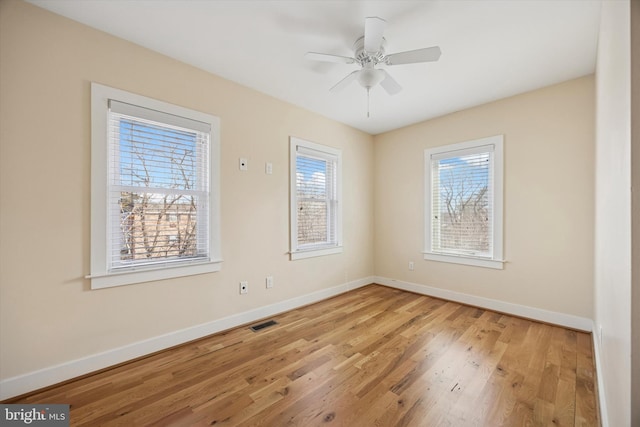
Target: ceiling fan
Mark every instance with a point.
(369, 51)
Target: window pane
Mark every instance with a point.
(159, 193)
(155, 226)
(461, 205)
(151, 155)
(312, 221)
(312, 205)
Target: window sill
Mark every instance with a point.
(310, 253)
(108, 280)
(465, 260)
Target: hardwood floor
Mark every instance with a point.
(375, 356)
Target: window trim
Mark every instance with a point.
(320, 249)
(100, 275)
(496, 261)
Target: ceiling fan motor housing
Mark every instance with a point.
(363, 57)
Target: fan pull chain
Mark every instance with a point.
(368, 103)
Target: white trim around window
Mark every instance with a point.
(197, 134)
(316, 199)
(480, 163)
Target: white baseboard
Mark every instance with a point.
(22, 384)
(560, 319)
(602, 401)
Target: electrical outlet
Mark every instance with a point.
(244, 287)
(268, 168)
(410, 265)
(269, 282)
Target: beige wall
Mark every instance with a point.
(48, 314)
(548, 199)
(613, 286)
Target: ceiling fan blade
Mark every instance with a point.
(325, 57)
(373, 31)
(427, 54)
(389, 84)
(345, 82)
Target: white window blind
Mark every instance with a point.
(463, 215)
(316, 210)
(158, 189)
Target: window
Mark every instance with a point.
(316, 203)
(463, 203)
(154, 190)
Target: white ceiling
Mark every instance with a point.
(491, 49)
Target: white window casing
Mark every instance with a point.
(154, 189)
(316, 199)
(464, 203)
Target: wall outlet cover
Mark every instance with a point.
(244, 287)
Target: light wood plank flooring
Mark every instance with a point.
(374, 357)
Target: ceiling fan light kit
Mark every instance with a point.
(370, 77)
(369, 51)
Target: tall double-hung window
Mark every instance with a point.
(154, 189)
(316, 204)
(463, 203)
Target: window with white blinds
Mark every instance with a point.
(315, 199)
(463, 203)
(157, 216)
(159, 187)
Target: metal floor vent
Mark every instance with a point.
(256, 328)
